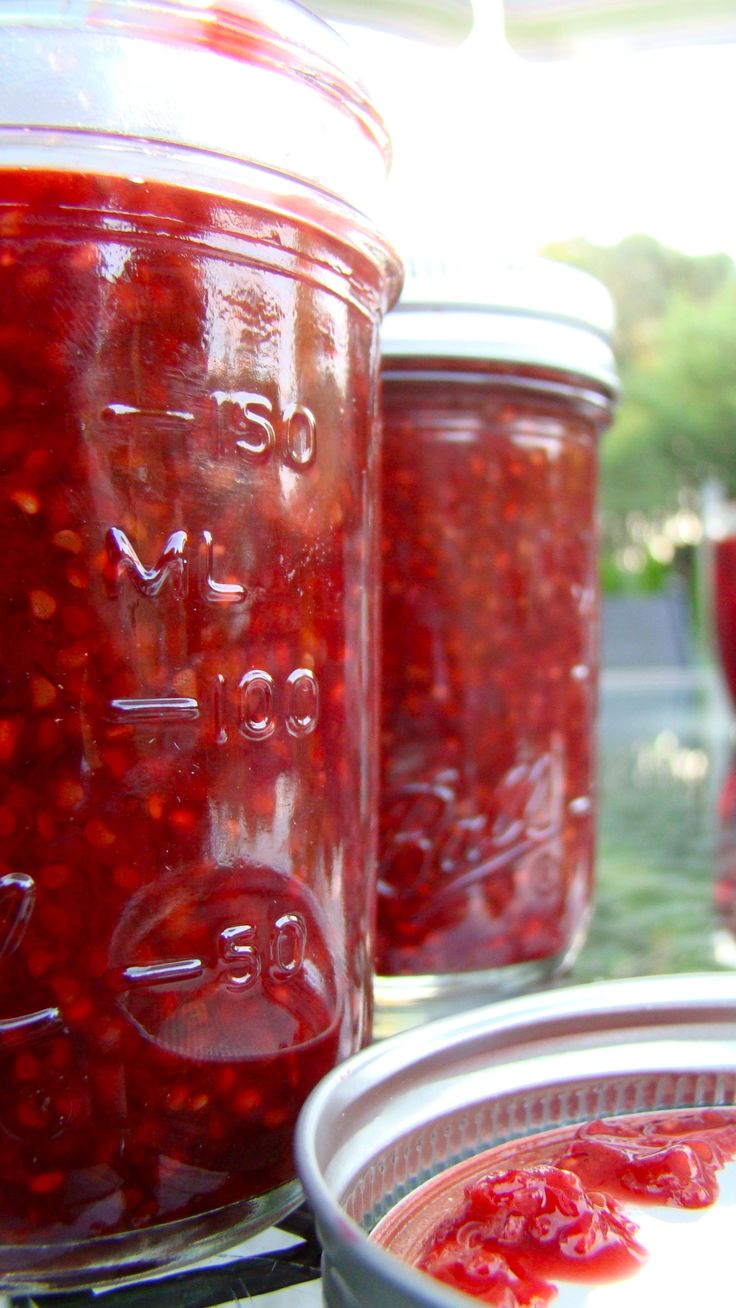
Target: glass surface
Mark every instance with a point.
(664, 752)
(188, 699)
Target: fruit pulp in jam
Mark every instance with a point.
(532, 1222)
(185, 595)
(490, 660)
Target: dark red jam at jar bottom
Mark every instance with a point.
(509, 1226)
(490, 664)
(182, 701)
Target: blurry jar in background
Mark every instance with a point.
(719, 554)
(718, 572)
(724, 881)
(724, 565)
(189, 308)
(497, 385)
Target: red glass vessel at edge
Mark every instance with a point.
(186, 705)
(724, 574)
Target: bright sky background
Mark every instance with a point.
(490, 147)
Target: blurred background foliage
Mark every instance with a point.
(674, 433)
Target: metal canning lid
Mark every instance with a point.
(256, 97)
(403, 1110)
(536, 312)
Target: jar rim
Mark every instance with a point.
(240, 29)
(279, 91)
(537, 312)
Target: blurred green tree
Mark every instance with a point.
(676, 347)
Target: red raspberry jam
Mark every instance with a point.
(490, 664)
(186, 724)
(523, 1219)
(668, 1160)
(520, 1226)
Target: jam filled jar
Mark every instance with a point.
(189, 309)
(497, 384)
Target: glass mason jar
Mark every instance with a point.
(495, 395)
(189, 308)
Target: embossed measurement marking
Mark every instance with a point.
(16, 1031)
(244, 421)
(17, 899)
(240, 961)
(173, 567)
(166, 710)
(131, 411)
(244, 418)
(153, 974)
(259, 707)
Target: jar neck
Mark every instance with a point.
(425, 377)
(108, 87)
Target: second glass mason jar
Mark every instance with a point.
(189, 309)
(496, 388)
